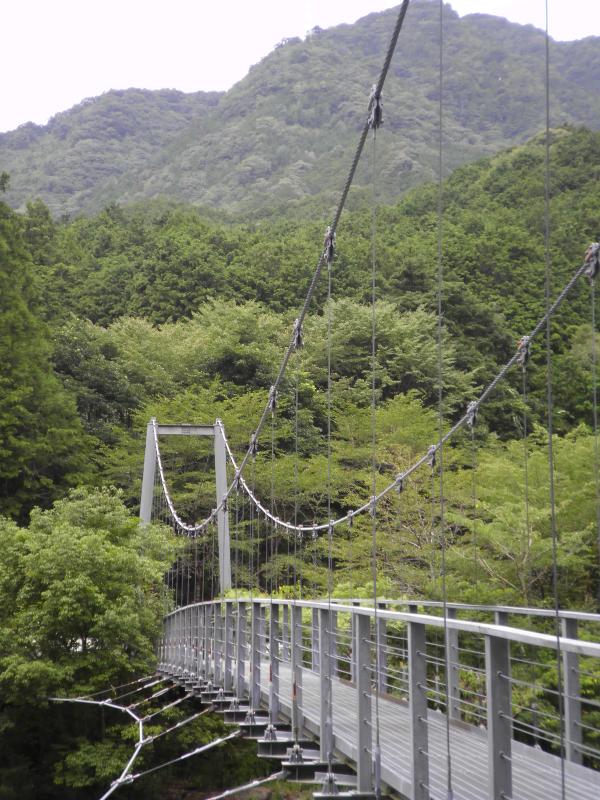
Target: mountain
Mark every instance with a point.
(286, 132)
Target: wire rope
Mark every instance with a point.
(550, 406)
(440, 378)
(595, 421)
(377, 744)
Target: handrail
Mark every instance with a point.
(521, 635)
(581, 616)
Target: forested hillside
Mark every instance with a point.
(161, 309)
(280, 137)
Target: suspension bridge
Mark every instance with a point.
(425, 700)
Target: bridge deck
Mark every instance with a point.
(536, 774)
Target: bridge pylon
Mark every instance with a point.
(147, 495)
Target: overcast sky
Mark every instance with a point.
(54, 53)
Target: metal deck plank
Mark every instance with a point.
(536, 775)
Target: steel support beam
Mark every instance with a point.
(240, 651)
(255, 655)
(274, 650)
(571, 695)
(296, 656)
(417, 698)
(227, 670)
(364, 734)
(326, 711)
(499, 727)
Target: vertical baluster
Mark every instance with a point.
(207, 640)
(227, 671)
(453, 684)
(296, 656)
(315, 639)
(380, 638)
(240, 651)
(572, 689)
(274, 666)
(325, 724)
(417, 698)
(364, 740)
(255, 655)
(499, 727)
(216, 646)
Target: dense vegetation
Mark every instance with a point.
(282, 135)
(159, 309)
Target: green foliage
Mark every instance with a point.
(82, 603)
(42, 447)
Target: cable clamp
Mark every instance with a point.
(315, 533)
(523, 352)
(329, 245)
(351, 519)
(297, 334)
(272, 399)
(592, 261)
(472, 413)
(253, 448)
(375, 108)
(235, 484)
(431, 455)
(373, 505)
(400, 483)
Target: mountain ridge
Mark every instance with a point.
(282, 134)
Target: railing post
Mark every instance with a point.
(148, 476)
(353, 648)
(240, 650)
(571, 694)
(315, 640)
(333, 651)
(499, 727)
(222, 514)
(325, 720)
(179, 660)
(285, 633)
(190, 641)
(217, 643)
(364, 738)
(296, 657)
(255, 655)
(417, 698)
(274, 666)
(452, 678)
(207, 640)
(227, 672)
(198, 629)
(380, 638)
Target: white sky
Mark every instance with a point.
(54, 53)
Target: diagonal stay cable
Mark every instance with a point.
(178, 725)
(196, 751)
(309, 295)
(168, 706)
(118, 688)
(276, 776)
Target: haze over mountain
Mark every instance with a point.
(287, 131)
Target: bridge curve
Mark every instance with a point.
(292, 670)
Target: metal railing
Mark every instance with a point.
(502, 678)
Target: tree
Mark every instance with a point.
(81, 606)
(42, 446)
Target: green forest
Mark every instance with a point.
(160, 309)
